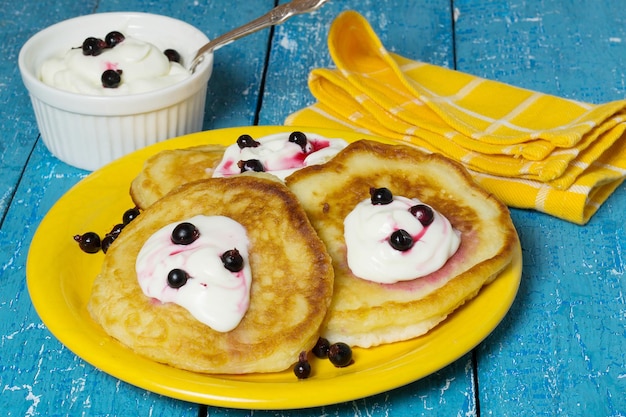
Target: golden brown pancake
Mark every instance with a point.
(365, 313)
(292, 280)
(171, 168)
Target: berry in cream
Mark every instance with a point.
(114, 65)
(200, 264)
(279, 154)
(393, 238)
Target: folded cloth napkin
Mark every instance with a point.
(529, 149)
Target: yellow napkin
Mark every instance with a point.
(529, 149)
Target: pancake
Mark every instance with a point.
(290, 291)
(171, 168)
(366, 313)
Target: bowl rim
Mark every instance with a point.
(125, 104)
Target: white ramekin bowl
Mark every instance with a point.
(88, 131)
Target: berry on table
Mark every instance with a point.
(302, 368)
(116, 230)
(321, 348)
(129, 215)
(88, 242)
(340, 354)
(106, 242)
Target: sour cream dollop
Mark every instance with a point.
(144, 68)
(278, 155)
(214, 295)
(367, 229)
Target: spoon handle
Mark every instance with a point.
(276, 16)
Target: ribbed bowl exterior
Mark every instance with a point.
(90, 141)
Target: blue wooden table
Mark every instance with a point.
(561, 350)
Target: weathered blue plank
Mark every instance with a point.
(38, 376)
(562, 349)
(574, 49)
(18, 132)
(418, 29)
(562, 346)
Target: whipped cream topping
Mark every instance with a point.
(279, 156)
(144, 68)
(368, 227)
(214, 295)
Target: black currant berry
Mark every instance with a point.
(111, 78)
(177, 278)
(423, 213)
(299, 139)
(321, 348)
(251, 165)
(381, 196)
(185, 234)
(113, 38)
(232, 260)
(116, 230)
(93, 46)
(401, 240)
(172, 55)
(88, 242)
(302, 368)
(340, 354)
(129, 215)
(246, 141)
(106, 242)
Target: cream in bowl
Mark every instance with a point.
(114, 65)
(133, 91)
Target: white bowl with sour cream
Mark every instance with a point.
(88, 128)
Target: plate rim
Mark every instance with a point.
(389, 375)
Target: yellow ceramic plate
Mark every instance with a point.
(60, 276)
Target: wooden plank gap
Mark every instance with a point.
(259, 104)
(11, 196)
(453, 32)
(203, 410)
(475, 380)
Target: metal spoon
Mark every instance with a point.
(276, 16)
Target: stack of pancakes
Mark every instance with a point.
(302, 287)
